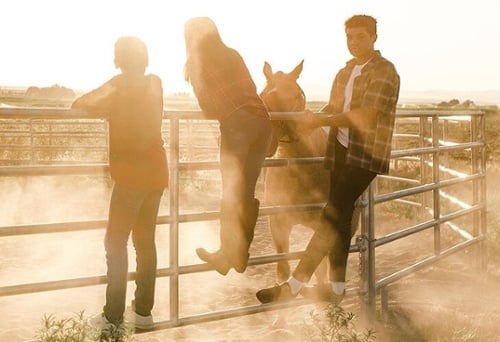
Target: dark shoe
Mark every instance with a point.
(322, 292)
(217, 260)
(277, 293)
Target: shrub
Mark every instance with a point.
(79, 329)
(334, 324)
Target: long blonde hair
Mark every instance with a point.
(203, 45)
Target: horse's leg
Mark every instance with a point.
(280, 231)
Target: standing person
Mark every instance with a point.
(225, 91)
(138, 166)
(362, 105)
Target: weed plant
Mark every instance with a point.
(334, 324)
(79, 329)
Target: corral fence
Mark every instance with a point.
(437, 184)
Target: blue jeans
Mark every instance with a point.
(133, 211)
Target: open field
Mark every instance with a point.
(447, 302)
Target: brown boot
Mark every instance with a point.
(230, 237)
(251, 214)
(216, 260)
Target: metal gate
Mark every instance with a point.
(423, 143)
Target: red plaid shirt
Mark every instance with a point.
(377, 87)
(224, 86)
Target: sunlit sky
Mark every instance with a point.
(436, 45)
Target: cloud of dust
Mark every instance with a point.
(36, 258)
(450, 301)
(46, 199)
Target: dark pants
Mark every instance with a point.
(333, 236)
(245, 138)
(136, 211)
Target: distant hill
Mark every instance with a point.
(490, 97)
(54, 92)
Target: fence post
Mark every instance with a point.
(478, 158)
(174, 217)
(372, 294)
(436, 206)
(423, 163)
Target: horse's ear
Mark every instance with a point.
(297, 70)
(268, 71)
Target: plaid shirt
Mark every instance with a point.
(225, 86)
(137, 158)
(377, 87)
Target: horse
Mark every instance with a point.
(293, 184)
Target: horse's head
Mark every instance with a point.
(283, 94)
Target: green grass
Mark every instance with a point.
(77, 328)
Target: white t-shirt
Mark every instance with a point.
(343, 132)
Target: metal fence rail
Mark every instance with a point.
(431, 154)
(424, 144)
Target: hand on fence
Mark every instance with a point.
(308, 122)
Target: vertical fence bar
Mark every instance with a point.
(482, 245)
(476, 195)
(362, 242)
(174, 217)
(482, 133)
(479, 187)
(371, 252)
(436, 180)
(423, 164)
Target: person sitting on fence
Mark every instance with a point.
(362, 104)
(138, 166)
(225, 91)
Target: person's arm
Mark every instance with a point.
(355, 118)
(96, 100)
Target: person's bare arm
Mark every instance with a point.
(356, 118)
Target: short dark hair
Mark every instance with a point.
(361, 20)
(131, 53)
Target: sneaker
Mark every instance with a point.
(277, 293)
(139, 321)
(322, 292)
(99, 321)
